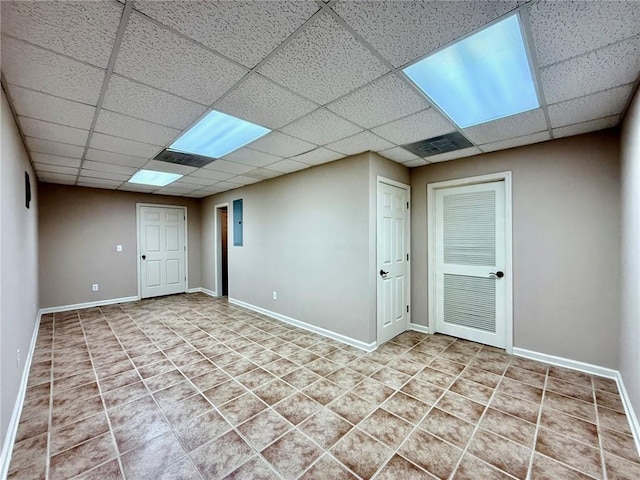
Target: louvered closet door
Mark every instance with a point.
(470, 251)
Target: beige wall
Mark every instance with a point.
(630, 255)
(566, 225)
(79, 231)
(18, 263)
(307, 236)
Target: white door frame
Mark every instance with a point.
(218, 245)
(380, 179)
(431, 245)
(186, 243)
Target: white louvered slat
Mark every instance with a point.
(470, 302)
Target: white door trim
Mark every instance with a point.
(218, 246)
(431, 245)
(380, 179)
(186, 242)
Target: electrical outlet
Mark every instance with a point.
(94, 287)
(275, 295)
(18, 358)
(118, 248)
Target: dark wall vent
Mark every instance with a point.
(442, 144)
(180, 158)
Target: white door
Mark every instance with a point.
(470, 262)
(162, 250)
(393, 261)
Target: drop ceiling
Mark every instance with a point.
(100, 88)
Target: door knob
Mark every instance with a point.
(144, 257)
(497, 274)
(383, 273)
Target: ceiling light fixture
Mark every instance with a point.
(480, 78)
(217, 135)
(151, 177)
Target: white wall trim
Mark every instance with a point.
(206, 291)
(418, 328)
(12, 429)
(80, 306)
(591, 369)
(367, 347)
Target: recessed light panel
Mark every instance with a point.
(483, 77)
(151, 177)
(218, 134)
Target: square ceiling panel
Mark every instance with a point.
(158, 166)
(59, 178)
(398, 154)
(45, 158)
(465, 152)
(54, 148)
(33, 67)
(585, 127)
(318, 156)
(53, 131)
(263, 173)
(212, 175)
(516, 142)
(419, 162)
(288, 166)
(158, 57)
(360, 142)
(419, 126)
(229, 167)
(243, 31)
(264, 102)
(591, 107)
(602, 69)
(382, 101)
(253, 158)
(405, 31)
(83, 30)
(119, 125)
(115, 158)
(43, 167)
(89, 173)
(514, 126)
(277, 143)
(321, 127)
(563, 30)
(108, 167)
(323, 62)
(30, 103)
(141, 101)
(110, 143)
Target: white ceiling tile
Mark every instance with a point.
(562, 30)
(196, 194)
(115, 158)
(83, 30)
(54, 148)
(263, 173)
(321, 127)
(265, 103)
(516, 142)
(209, 191)
(30, 103)
(288, 166)
(360, 142)
(87, 173)
(419, 162)
(46, 168)
(53, 131)
(405, 31)
(465, 152)
(244, 31)
(384, 100)
(98, 182)
(254, 158)
(108, 167)
(398, 154)
(244, 180)
(324, 62)
(198, 180)
(158, 166)
(318, 156)
(136, 187)
(45, 158)
(509, 127)
(141, 101)
(124, 126)
(109, 143)
(277, 143)
(186, 186)
(591, 107)
(419, 126)
(585, 127)
(61, 178)
(227, 185)
(212, 174)
(32, 67)
(158, 57)
(228, 167)
(600, 70)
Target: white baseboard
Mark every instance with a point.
(80, 306)
(12, 429)
(419, 328)
(367, 347)
(592, 370)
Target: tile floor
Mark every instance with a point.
(192, 387)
